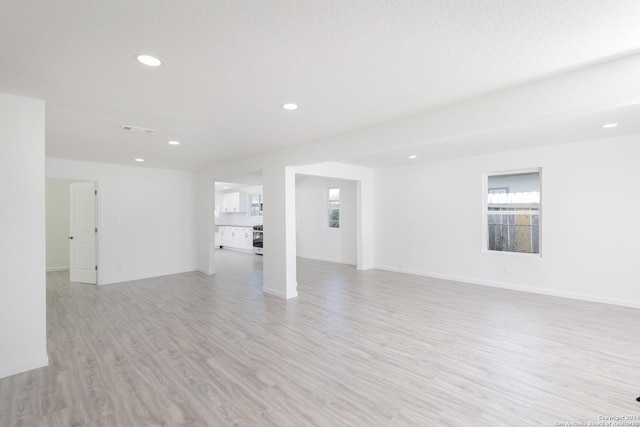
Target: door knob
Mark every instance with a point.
(70, 237)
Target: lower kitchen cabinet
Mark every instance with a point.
(236, 237)
(246, 238)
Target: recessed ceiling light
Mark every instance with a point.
(139, 160)
(226, 187)
(413, 156)
(174, 142)
(149, 60)
(610, 125)
(290, 106)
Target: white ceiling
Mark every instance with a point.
(582, 127)
(229, 65)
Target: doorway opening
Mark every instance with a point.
(326, 219)
(71, 228)
(238, 224)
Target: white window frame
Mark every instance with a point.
(485, 210)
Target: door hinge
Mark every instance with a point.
(96, 268)
(96, 229)
(95, 192)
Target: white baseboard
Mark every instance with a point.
(235, 249)
(6, 371)
(315, 258)
(130, 278)
(50, 269)
(279, 294)
(510, 286)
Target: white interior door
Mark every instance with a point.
(82, 256)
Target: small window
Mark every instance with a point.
(513, 212)
(255, 205)
(334, 208)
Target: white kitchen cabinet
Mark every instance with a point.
(246, 238)
(236, 237)
(234, 202)
(233, 237)
(224, 233)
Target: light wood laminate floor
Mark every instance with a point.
(355, 348)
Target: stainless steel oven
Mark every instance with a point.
(257, 239)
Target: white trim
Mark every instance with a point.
(148, 276)
(279, 294)
(231, 248)
(337, 261)
(63, 268)
(514, 171)
(99, 231)
(39, 362)
(510, 286)
(509, 253)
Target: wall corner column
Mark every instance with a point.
(206, 224)
(279, 263)
(23, 304)
(365, 235)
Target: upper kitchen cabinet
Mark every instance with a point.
(234, 202)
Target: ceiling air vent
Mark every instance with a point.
(137, 129)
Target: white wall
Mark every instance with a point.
(22, 251)
(147, 219)
(429, 221)
(314, 238)
(57, 223)
(453, 130)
